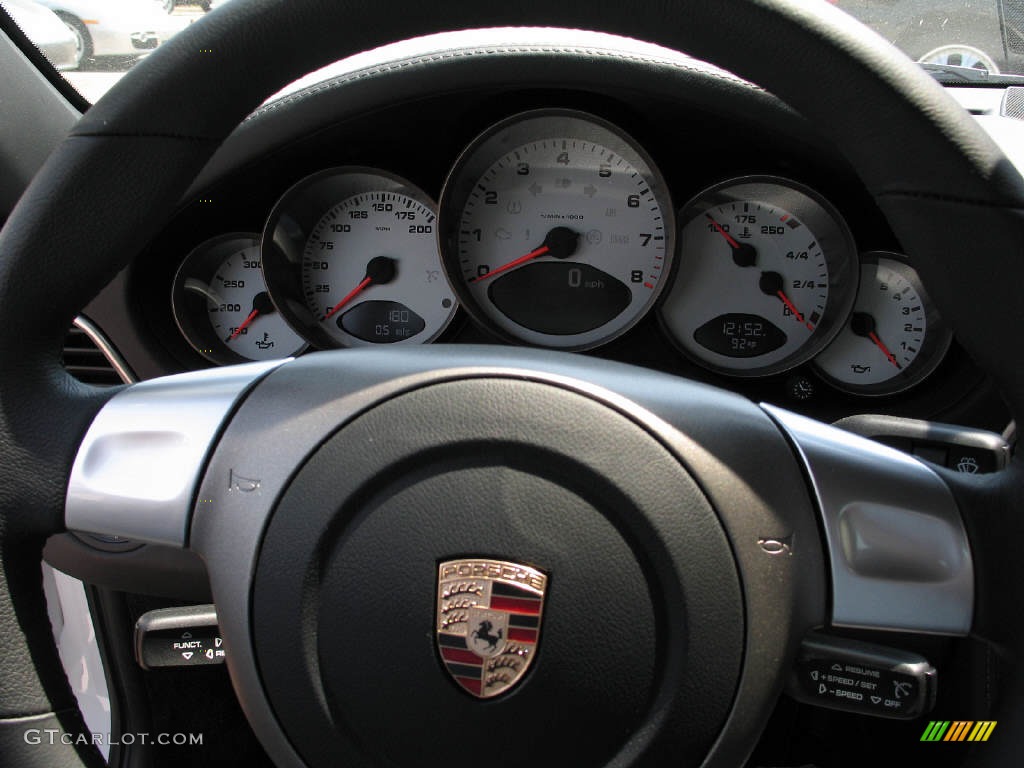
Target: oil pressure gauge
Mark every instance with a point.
(895, 336)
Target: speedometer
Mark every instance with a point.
(556, 230)
(350, 258)
(767, 276)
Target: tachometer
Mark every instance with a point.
(895, 336)
(350, 255)
(222, 307)
(767, 275)
(556, 230)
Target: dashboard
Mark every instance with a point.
(776, 277)
(643, 208)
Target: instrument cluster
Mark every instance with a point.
(556, 229)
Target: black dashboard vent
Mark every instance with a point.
(1013, 103)
(1012, 12)
(86, 361)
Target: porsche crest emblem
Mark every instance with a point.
(488, 622)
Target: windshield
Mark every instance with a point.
(94, 42)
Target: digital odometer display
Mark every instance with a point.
(381, 322)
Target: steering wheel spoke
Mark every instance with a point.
(898, 551)
(138, 467)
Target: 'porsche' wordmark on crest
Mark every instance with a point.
(488, 622)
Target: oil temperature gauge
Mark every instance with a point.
(222, 307)
(895, 336)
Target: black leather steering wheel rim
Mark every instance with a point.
(953, 199)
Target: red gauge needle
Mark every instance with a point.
(722, 232)
(244, 325)
(560, 243)
(743, 254)
(885, 350)
(261, 305)
(379, 270)
(771, 284)
(512, 264)
(863, 324)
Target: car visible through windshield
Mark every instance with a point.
(984, 36)
(978, 34)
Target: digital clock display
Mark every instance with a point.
(740, 335)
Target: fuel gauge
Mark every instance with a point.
(894, 337)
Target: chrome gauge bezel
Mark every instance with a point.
(487, 150)
(937, 339)
(190, 308)
(293, 219)
(832, 235)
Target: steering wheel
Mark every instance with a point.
(688, 538)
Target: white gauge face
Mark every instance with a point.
(222, 306)
(242, 314)
(766, 275)
(371, 271)
(558, 230)
(350, 255)
(894, 337)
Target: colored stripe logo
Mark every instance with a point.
(958, 730)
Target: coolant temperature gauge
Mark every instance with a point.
(894, 337)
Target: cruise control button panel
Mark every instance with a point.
(864, 678)
(962, 449)
(179, 637)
